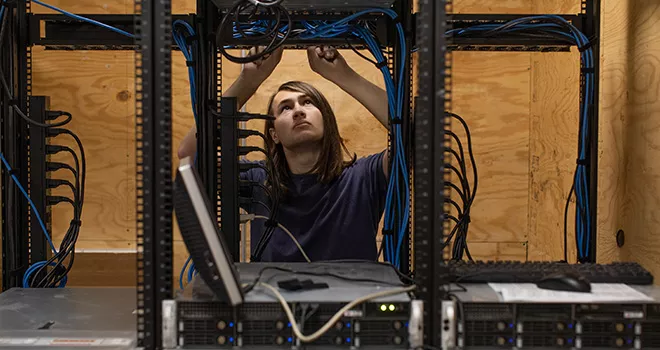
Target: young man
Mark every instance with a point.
(331, 202)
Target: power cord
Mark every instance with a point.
(38, 275)
(336, 317)
(250, 217)
(460, 244)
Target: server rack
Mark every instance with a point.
(435, 83)
(152, 23)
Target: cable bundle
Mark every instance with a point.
(39, 275)
(54, 271)
(556, 27)
(185, 38)
(259, 32)
(397, 205)
(465, 193)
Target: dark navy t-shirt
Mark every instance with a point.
(338, 220)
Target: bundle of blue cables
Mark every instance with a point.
(560, 27)
(183, 34)
(397, 204)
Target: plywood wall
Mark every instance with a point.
(521, 107)
(630, 129)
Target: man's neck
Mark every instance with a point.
(302, 160)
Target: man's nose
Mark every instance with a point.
(298, 111)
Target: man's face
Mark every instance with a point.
(298, 122)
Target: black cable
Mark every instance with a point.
(568, 201)
(64, 259)
(7, 91)
(459, 159)
(55, 166)
(55, 132)
(275, 199)
(54, 149)
(245, 150)
(276, 9)
(360, 54)
(55, 183)
(458, 190)
(458, 208)
(465, 187)
(254, 183)
(262, 204)
(461, 243)
(245, 133)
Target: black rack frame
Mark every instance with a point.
(152, 24)
(153, 63)
(23, 241)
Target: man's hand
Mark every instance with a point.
(328, 63)
(252, 76)
(258, 71)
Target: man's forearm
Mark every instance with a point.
(372, 97)
(242, 90)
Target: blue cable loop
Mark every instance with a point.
(183, 271)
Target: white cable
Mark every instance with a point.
(310, 338)
(288, 233)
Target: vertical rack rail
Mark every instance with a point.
(38, 244)
(428, 164)
(15, 60)
(154, 166)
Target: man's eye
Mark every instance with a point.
(308, 102)
(285, 108)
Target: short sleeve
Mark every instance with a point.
(371, 168)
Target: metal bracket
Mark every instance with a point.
(416, 324)
(169, 324)
(449, 321)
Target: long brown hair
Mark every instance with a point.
(331, 161)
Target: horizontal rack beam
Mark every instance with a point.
(59, 32)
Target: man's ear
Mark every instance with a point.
(273, 135)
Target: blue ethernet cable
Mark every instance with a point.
(183, 271)
(36, 266)
(84, 19)
(34, 208)
(582, 219)
(394, 201)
